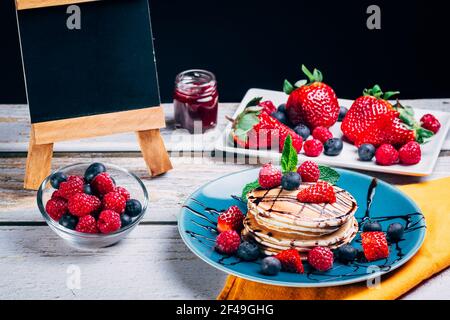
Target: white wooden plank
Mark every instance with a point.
(14, 131)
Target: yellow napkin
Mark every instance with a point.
(433, 197)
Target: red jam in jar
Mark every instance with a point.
(196, 100)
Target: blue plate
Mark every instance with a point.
(377, 199)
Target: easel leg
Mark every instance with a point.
(154, 151)
(39, 162)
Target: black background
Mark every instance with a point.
(251, 43)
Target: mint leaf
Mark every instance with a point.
(289, 157)
(288, 87)
(329, 174)
(254, 102)
(248, 188)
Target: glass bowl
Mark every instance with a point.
(90, 241)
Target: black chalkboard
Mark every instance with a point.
(106, 66)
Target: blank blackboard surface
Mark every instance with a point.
(107, 66)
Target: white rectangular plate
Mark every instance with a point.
(349, 157)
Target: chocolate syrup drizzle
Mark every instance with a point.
(340, 271)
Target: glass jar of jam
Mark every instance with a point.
(196, 100)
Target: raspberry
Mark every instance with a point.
(321, 192)
(374, 245)
(269, 176)
(123, 192)
(103, 183)
(313, 148)
(321, 258)
(56, 208)
(114, 201)
(290, 261)
(57, 194)
(309, 171)
(108, 221)
(268, 106)
(322, 134)
(73, 185)
(87, 224)
(82, 204)
(386, 155)
(430, 122)
(232, 219)
(228, 242)
(410, 153)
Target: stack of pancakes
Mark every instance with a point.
(277, 221)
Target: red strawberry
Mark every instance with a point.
(102, 183)
(228, 242)
(123, 192)
(268, 106)
(322, 134)
(386, 155)
(87, 224)
(232, 219)
(374, 245)
(397, 133)
(313, 148)
(255, 129)
(290, 261)
(56, 208)
(108, 221)
(321, 258)
(269, 176)
(73, 185)
(309, 171)
(82, 204)
(114, 201)
(410, 153)
(430, 122)
(314, 104)
(320, 192)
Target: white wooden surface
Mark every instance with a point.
(152, 263)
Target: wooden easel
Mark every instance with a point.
(146, 122)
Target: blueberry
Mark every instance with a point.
(290, 181)
(248, 251)
(282, 108)
(366, 152)
(270, 266)
(57, 178)
(93, 170)
(395, 232)
(87, 189)
(280, 116)
(333, 147)
(347, 253)
(370, 226)
(133, 208)
(303, 131)
(342, 112)
(68, 221)
(125, 220)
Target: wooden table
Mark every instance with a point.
(153, 262)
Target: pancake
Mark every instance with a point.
(277, 221)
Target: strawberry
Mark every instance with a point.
(309, 171)
(372, 119)
(87, 224)
(56, 208)
(269, 176)
(114, 201)
(228, 242)
(321, 258)
(374, 245)
(268, 106)
(386, 155)
(410, 153)
(82, 204)
(313, 148)
(72, 186)
(255, 129)
(290, 261)
(430, 122)
(232, 219)
(320, 192)
(313, 102)
(322, 134)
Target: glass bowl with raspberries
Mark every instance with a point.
(92, 205)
